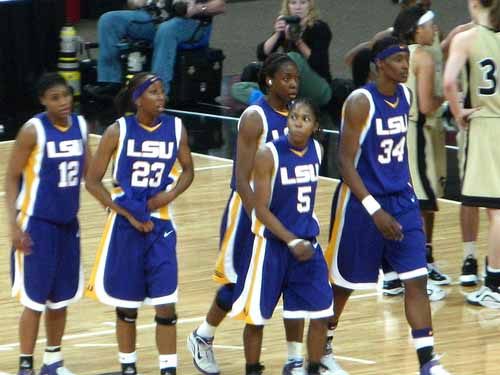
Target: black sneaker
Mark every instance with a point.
(255, 369)
(168, 371)
(392, 288)
(469, 272)
(129, 369)
(436, 276)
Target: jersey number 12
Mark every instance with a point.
(68, 173)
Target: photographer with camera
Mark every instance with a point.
(299, 32)
(164, 23)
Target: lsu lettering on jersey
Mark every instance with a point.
(273, 123)
(50, 183)
(145, 160)
(294, 183)
(382, 160)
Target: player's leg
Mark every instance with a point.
(294, 331)
(200, 341)
(28, 333)
(233, 259)
(126, 338)
(469, 225)
(166, 338)
(261, 291)
(67, 288)
(408, 258)
(489, 294)
(32, 278)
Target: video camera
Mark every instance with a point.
(294, 27)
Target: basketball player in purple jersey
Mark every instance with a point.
(136, 260)
(286, 257)
(259, 123)
(47, 163)
(375, 196)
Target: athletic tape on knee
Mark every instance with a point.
(126, 316)
(166, 321)
(224, 297)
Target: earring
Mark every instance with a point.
(270, 82)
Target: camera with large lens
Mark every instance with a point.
(179, 8)
(294, 27)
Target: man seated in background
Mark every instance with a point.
(164, 23)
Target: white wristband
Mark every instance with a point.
(370, 204)
(294, 243)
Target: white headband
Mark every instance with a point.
(429, 15)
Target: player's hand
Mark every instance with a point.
(145, 227)
(159, 200)
(302, 251)
(388, 226)
(464, 118)
(279, 25)
(21, 241)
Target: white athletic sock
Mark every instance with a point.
(50, 358)
(422, 342)
(492, 270)
(206, 330)
(389, 276)
(469, 249)
(127, 357)
(167, 361)
(294, 351)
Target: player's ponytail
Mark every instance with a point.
(494, 9)
(123, 100)
(406, 23)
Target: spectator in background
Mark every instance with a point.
(151, 21)
(306, 42)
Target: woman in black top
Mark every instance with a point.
(299, 32)
(312, 42)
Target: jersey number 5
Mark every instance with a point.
(141, 171)
(303, 199)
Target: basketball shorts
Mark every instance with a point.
(134, 267)
(274, 272)
(357, 249)
(235, 230)
(51, 275)
(427, 161)
(481, 173)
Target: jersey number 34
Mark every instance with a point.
(391, 149)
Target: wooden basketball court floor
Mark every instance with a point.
(373, 337)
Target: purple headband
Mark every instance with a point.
(391, 51)
(143, 87)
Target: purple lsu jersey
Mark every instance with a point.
(274, 126)
(295, 179)
(382, 160)
(50, 183)
(145, 160)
